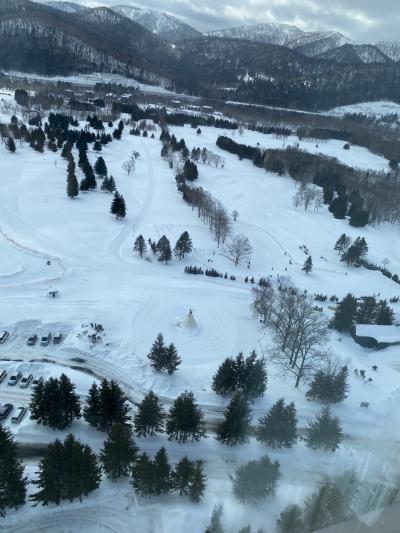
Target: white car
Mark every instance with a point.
(13, 380)
(25, 381)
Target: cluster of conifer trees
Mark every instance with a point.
(182, 247)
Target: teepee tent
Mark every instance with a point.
(189, 322)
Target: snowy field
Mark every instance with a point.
(92, 79)
(378, 109)
(101, 280)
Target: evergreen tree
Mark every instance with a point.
(118, 207)
(338, 206)
(162, 472)
(119, 452)
(356, 252)
(91, 412)
(84, 186)
(345, 315)
(54, 403)
(190, 170)
(278, 428)
(308, 265)
(72, 186)
(185, 419)
(329, 386)
(182, 476)
(164, 250)
(183, 245)
(247, 375)
(384, 314)
(291, 520)
(50, 475)
(150, 416)
(342, 243)
(359, 218)
(67, 471)
(324, 432)
(143, 475)
(252, 376)
(224, 381)
(81, 473)
(12, 480)
(108, 184)
(106, 406)
(255, 480)
(140, 245)
(100, 167)
(10, 145)
(324, 507)
(216, 521)
(235, 428)
(197, 483)
(366, 311)
(158, 353)
(97, 147)
(172, 359)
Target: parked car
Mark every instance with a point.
(19, 415)
(32, 340)
(35, 382)
(3, 336)
(3, 374)
(14, 378)
(5, 410)
(25, 381)
(57, 338)
(45, 340)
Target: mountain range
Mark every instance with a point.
(296, 70)
(330, 45)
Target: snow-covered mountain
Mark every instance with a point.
(68, 7)
(390, 48)
(164, 25)
(318, 42)
(280, 34)
(360, 53)
(310, 44)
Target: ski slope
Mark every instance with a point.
(101, 280)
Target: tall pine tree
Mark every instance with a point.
(278, 428)
(235, 428)
(119, 452)
(324, 432)
(12, 480)
(149, 417)
(185, 419)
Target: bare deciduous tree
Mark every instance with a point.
(263, 304)
(238, 249)
(300, 335)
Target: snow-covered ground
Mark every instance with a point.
(101, 280)
(378, 109)
(93, 78)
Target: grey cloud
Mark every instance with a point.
(361, 20)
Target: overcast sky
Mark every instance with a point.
(365, 21)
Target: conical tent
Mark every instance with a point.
(189, 322)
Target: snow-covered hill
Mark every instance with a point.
(390, 48)
(68, 7)
(315, 43)
(351, 53)
(280, 34)
(164, 25)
